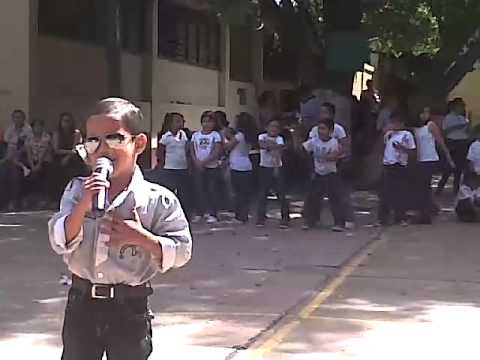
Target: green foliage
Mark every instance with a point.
(423, 26)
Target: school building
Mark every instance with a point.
(176, 56)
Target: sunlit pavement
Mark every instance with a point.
(241, 280)
(416, 297)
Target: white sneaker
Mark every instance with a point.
(337, 228)
(196, 219)
(236, 222)
(211, 219)
(349, 225)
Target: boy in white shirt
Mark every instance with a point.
(272, 146)
(399, 146)
(328, 111)
(473, 158)
(205, 149)
(326, 152)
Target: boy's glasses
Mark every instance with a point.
(113, 141)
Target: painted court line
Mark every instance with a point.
(283, 329)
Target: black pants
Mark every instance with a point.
(458, 150)
(393, 193)
(345, 178)
(272, 179)
(423, 173)
(206, 192)
(321, 185)
(178, 181)
(40, 182)
(91, 327)
(12, 184)
(242, 183)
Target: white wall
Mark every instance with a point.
(233, 105)
(468, 89)
(72, 76)
(178, 82)
(14, 57)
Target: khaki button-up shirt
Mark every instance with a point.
(90, 258)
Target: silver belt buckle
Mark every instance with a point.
(94, 292)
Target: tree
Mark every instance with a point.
(295, 28)
(438, 40)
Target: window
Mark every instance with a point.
(241, 54)
(188, 35)
(71, 19)
(86, 21)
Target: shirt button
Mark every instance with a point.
(100, 275)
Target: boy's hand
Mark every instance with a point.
(92, 186)
(399, 146)
(333, 156)
(128, 232)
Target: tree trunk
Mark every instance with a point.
(113, 49)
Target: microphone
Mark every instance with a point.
(104, 167)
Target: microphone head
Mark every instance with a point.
(105, 164)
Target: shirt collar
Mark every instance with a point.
(138, 189)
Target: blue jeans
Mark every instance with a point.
(242, 183)
(320, 186)
(206, 191)
(178, 181)
(272, 179)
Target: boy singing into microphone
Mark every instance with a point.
(112, 258)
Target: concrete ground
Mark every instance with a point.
(416, 297)
(253, 293)
(240, 282)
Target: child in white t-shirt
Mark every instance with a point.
(326, 151)
(328, 111)
(271, 173)
(239, 142)
(172, 155)
(399, 147)
(205, 149)
(474, 157)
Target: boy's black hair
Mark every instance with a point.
(329, 123)
(19, 112)
(129, 114)
(330, 107)
(397, 116)
(37, 121)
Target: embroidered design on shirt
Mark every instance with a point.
(124, 248)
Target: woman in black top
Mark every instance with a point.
(69, 163)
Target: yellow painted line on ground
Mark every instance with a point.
(285, 329)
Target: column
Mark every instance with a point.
(224, 76)
(15, 35)
(257, 61)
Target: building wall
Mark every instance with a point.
(14, 57)
(468, 89)
(185, 83)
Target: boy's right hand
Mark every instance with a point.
(92, 186)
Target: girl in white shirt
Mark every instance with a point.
(399, 147)
(239, 143)
(427, 136)
(271, 173)
(205, 149)
(172, 155)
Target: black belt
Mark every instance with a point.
(108, 291)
